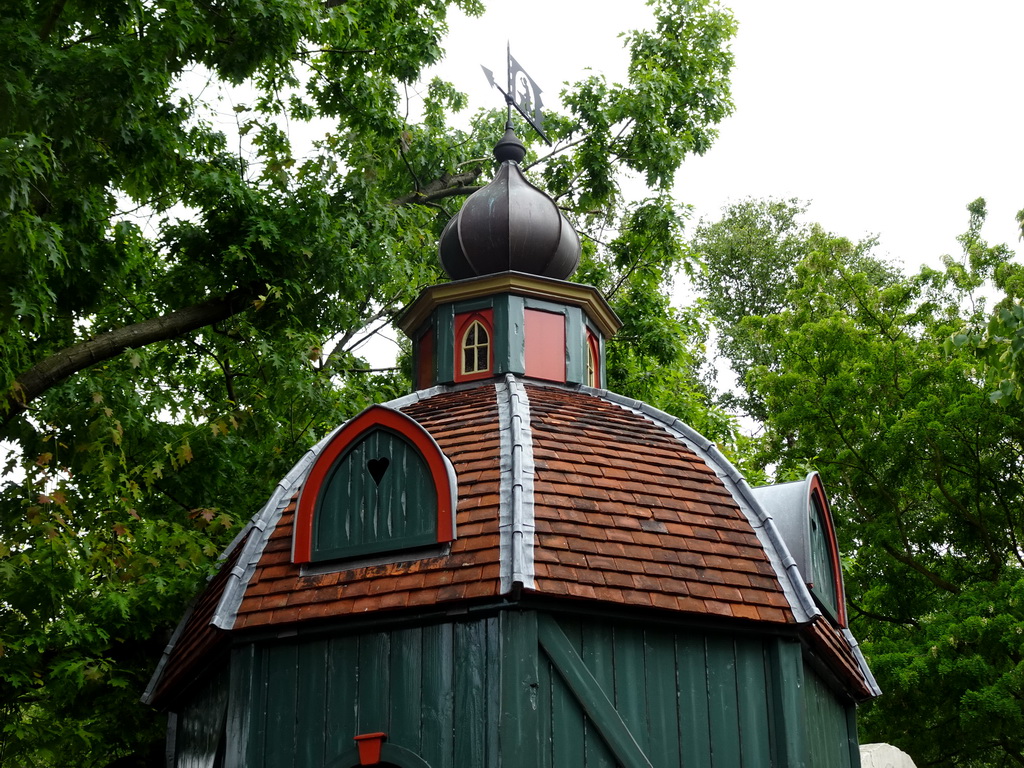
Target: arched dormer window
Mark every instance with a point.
(801, 513)
(474, 345)
(381, 484)
(826, 575)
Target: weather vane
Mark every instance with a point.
(523, 94)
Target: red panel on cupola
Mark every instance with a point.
(545, 345)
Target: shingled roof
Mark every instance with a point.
(565, 492)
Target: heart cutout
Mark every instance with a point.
(377, 468)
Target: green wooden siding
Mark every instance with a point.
(831, 728)
(199, 734)
(522, 689)
(379, 497)
(431, 689)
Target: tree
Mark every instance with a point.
(180, 305)
(925, 477)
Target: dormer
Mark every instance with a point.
(381, 485)
(801, 513)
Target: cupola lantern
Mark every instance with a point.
(509, 307)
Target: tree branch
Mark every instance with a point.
(448, 185)
(910, 562)
(70, 360)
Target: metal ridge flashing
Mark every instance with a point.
(516, 528)
(264, 521)
(861, 661)
(799, 597)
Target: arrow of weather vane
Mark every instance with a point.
(523, 94)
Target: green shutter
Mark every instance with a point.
(379, 497)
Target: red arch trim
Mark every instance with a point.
(374, 417)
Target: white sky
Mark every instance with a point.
(888, 115)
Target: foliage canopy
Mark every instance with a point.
(850, 365)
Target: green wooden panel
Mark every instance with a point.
(694, 713)
(722, 702)
(509, 341)
(373, 683)
(493, 690)
(662, 698)
(852, 742)
(827, 725)
(630, 682)
(753, 703)
(787, 703)
(519, 681)
(406, 687)
(545, 708)
(568, 726)
(200, 729)
(311, 704)
(342, 673)
(444, 343)
(282, 690)
(598, 655)
(359, 512)
(595, 701)
(437, 696)
(470, 677)
(575, 346)
(241, 710)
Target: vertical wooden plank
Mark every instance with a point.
(631, 682)
(509, 332)
(787, 685)
(282, 690)
(722, 702)
(437, 686)
(752, 691)
(373, 683)
(568, 727)
(493, 712)
(240, 706)
(546, 679)
(575, 346)
(519, 682)
(694, 714)
(445, 343)
(342, 672)
(406, 687)
(311, 704)
(470, 640)
(662, 698)
(598, 653)
(852, 743)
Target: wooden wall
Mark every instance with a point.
(520, 689)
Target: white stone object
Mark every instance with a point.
(884, 756)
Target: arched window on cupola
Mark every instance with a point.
(380, 485)
(474, 335)
(593, 360)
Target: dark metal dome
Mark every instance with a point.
(509, 225)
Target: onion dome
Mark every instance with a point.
(509, 225)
